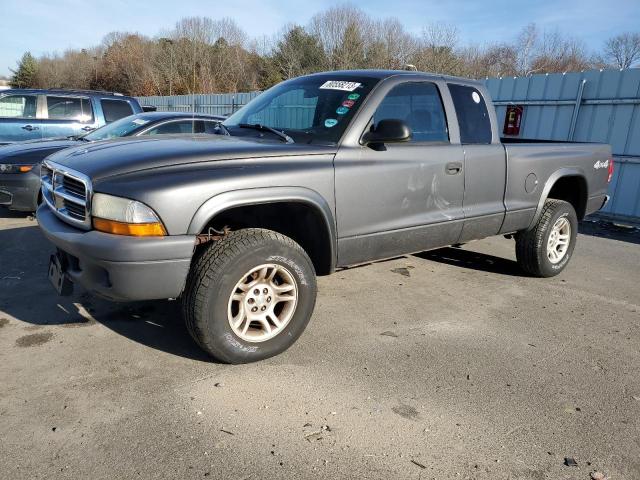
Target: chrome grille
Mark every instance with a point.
(45, 171)
(67, 193)
(74, 187)
(74, 210)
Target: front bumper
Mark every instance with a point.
(19, 191)
(118, 267)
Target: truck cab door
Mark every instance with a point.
(68, 115)
(405, 197)
(484, 163)
(19, 118)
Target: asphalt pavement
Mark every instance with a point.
(447, 364)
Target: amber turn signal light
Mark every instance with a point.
(25, 168)
(132, 229)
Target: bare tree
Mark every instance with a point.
(437, 49)
(495, 60)
(125, 64)
(623, 51)
(201, 54)
(210, 55)
(341, 32)
(557, 53)
(389, 45)
(525, 46)
(548, 52)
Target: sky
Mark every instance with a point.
(47, 26)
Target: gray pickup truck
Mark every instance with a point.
(318, 173)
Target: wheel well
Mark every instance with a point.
(572, 189)
(297, 220)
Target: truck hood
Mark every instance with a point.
(33, 151)
(112, 158)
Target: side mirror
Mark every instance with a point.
(388, 131)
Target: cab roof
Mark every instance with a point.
(381, 74)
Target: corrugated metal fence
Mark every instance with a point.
(214, 104)
(593, 106)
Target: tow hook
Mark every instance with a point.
(212, 235)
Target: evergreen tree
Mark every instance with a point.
(298, 53)
(25, 75)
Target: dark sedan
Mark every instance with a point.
(19, 162)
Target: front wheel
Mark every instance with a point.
(249, 296)
(545, 249)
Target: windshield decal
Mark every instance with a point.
(339, 85)
(330, 122)
(342, 110)
(348, 103)
(140, 121)
(353, 96)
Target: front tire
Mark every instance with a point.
(249, 296)
(546, 248)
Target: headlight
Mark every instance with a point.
(122, 216)
(12, 168)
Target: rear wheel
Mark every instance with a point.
(545, 249)
(249, 296)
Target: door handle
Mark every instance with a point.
(29, 128)
(453, 168)
(88, 129)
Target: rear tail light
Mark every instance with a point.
(610, 170)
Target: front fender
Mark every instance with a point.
(254, 196)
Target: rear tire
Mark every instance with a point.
(546, 248)
(250, 269)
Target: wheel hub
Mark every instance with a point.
(558, 242)
(262, 303)
(259, 298)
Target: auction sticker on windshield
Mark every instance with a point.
(340, 85)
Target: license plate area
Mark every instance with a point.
(58, 276)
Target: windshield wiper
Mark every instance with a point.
(264, 128)
(78, 138)
(221, 126)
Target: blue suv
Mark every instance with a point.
(27, 114)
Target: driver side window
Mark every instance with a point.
(418, 104)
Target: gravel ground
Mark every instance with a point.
(447, 364)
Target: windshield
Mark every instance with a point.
(314, 109)
(120, 128)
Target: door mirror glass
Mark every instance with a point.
(388, 131)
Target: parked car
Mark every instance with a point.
(19, 162)
(28, 114)
(320, 172)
